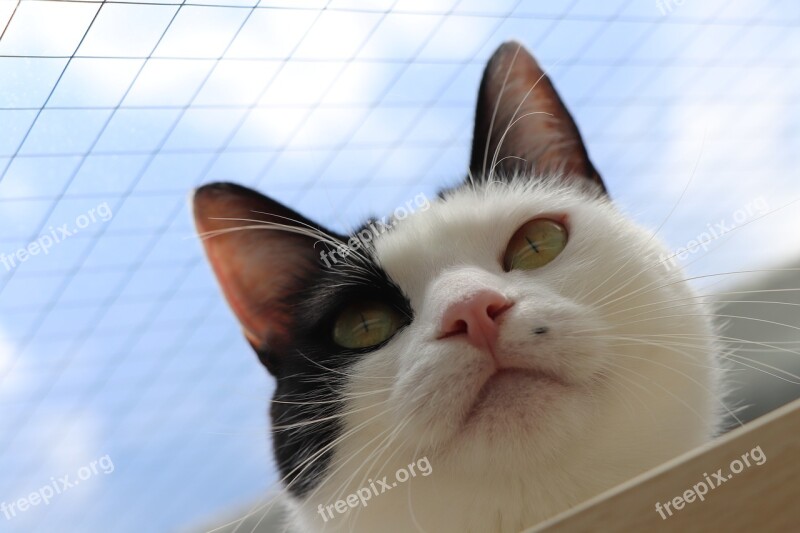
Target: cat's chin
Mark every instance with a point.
(517, 410)
(511, 396)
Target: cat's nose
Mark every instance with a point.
(476, 318)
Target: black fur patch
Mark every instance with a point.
(311, 369)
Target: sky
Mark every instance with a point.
(114, 340)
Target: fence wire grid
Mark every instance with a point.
(114, 339)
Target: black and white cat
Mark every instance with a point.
(511, 336)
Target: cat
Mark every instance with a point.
(502, 350)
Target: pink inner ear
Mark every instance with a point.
(518, 104)
(258, 267)
(251, 283)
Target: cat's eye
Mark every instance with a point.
(365, 324)
(535, 244)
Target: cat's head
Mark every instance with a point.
(504, 329)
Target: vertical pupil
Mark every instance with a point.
(535, 249)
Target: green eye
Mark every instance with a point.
(365, 324)
(535, 244)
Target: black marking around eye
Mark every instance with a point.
(309, 396)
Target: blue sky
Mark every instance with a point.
(116, 341)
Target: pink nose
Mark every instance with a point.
(475, 317)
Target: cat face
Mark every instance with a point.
(504, 333)
(502, 350)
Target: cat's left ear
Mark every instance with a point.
(521, 124)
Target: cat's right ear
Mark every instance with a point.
(263, 254)
(522, 126)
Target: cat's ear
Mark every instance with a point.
(259, 266)
(520, 111)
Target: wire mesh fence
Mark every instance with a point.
(114, 340)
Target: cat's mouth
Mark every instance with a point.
(504, 375)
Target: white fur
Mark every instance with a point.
(531, 448)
